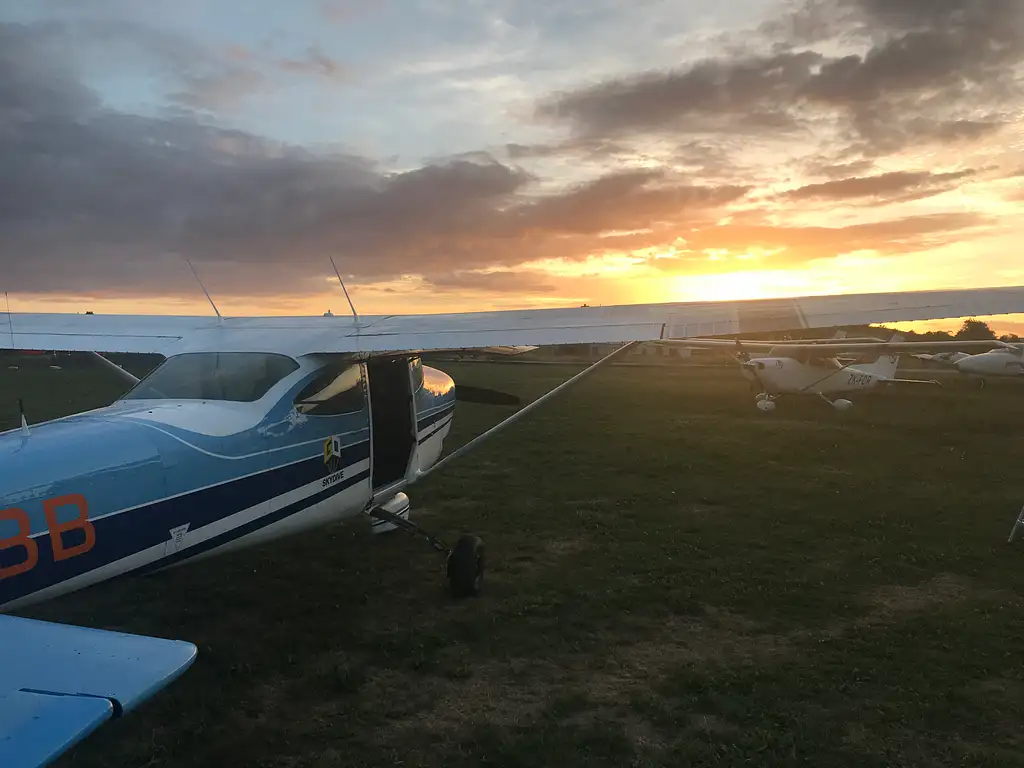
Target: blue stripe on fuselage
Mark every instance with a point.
(434, 416)
(440, 425)
(122, 534)
(254, 525)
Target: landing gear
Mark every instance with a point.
(840, 403)
(465, 562)
(466, 567)
(765, 402)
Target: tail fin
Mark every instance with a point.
(883, 365)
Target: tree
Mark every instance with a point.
(975, 330)
(1010, 338)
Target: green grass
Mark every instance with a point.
(674, 579)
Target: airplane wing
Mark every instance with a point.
(474, 330)
(827, 348)
(58, 683)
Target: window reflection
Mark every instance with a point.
(233, 376)
(337, 390)
(417, 373)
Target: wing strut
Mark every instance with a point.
(523, 411)
(129, 377)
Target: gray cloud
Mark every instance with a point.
(37, 82)
(626, 200)
(832, 169)
(216, 90)
(346, 10)
(924, 72)
(206, 79)
(886, 187)
(315, 61)
(103, 199)
(93, 200)
(736, 95)
(501, 281)
(802, 244)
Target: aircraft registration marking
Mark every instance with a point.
(55, 528)
(859, 379)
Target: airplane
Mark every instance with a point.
(946, 358)
(253, 428)
(1005, 360)
(826, 369)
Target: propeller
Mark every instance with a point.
(484, 396)
(741, 354)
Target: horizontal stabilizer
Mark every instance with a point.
(58, 683)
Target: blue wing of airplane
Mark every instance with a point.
(58, 683)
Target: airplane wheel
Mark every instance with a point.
(466, 567)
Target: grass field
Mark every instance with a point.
(674, 579)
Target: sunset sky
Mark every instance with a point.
(479, 154)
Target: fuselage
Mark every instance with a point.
(207, 455)
(786, 375)
(997, 362)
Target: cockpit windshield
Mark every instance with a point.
(241, 377)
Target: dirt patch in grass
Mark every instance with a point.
(718, 639)
(1002, 698)
(896, 600)
(520, 691)
(561, 547)
(712, 724)
(492, 695)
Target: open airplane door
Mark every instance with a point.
(392, 421)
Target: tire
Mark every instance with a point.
(466, 567)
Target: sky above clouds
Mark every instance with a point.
(474, 154)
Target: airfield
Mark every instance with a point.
(674, 578)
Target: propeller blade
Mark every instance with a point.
(484, 396)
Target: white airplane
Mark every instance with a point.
(815, 368)
(1005, 360)
(944, 358)
(254, 428)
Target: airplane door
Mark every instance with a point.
(319, 453)
(392, 419)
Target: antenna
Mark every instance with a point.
(10, 320)
(24, 423)
(355, 315)
(204, 289)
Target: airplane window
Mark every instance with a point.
(242, 377)
(337, 391)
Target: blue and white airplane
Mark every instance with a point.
(259, 427)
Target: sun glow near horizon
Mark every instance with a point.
(651, 275)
